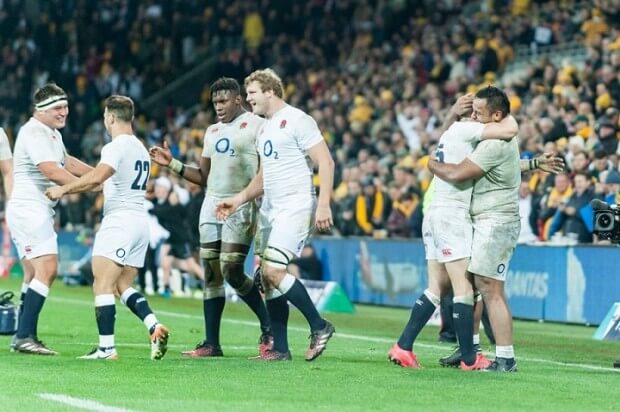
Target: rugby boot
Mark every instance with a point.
(481, 363)
(204, 350)
(404, 358)
(502, 365)
(101, 354)
(33, 346)
(454, 359)
(318, 341)
(159, 342)
(265, 343)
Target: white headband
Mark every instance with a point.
(51, 102)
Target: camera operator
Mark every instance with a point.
(607, 190)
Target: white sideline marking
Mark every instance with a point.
(87, 404)
(146, 345)
(363, 338)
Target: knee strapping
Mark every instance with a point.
(209, 254)
(432, 297)
(234, 258)
(277, 258)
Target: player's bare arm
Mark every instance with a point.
(253, 190)
(547, 162)
(198, 175)
(56, 174)
(505, 129)
(320, 155)
(76, 167)
(87, 182)
(455, 173)
(6, 168)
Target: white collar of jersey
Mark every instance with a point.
(51, 102)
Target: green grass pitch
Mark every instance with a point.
(561, 367)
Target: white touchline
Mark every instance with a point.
(87, 404)
(357, 337)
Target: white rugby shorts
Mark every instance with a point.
(285, 223)
(124, 238)
(32, 229)
(238, 228)
(447, 234)
(493, 245)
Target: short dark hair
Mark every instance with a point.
(225, 84)
(121, 106)
(46, 91)
(497, 100)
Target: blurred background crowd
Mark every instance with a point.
(377, 75)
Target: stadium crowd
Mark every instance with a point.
(378, 76)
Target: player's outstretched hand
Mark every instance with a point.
(551, 163)
(54, 193)
(161, 155)
(226, 207)
(323, 218)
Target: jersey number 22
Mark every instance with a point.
(142, 167)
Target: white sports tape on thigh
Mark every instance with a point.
(277, 258)
(209, 254)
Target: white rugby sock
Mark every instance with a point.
(505, 352)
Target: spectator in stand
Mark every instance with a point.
(559, 194)
(345, 220)
(399, 224)
(599, 164)
(372, 208)
(568, 217)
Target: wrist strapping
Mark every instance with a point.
(177, 166)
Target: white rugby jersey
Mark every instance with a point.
(454, 145)
(497, 192)
(36, 143)
(5, 147)
(125, 189)
(282, 144)
(232, 150)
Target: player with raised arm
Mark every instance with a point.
(229, 162)
(122, 240)
(286, 142)
(40, 161)
(447, 235)
(496, 168)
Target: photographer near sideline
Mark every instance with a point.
(606, 213)
(608, 194)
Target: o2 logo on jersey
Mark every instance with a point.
(223, 146)
(142, 167)
(439, 153)
(268, 150)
